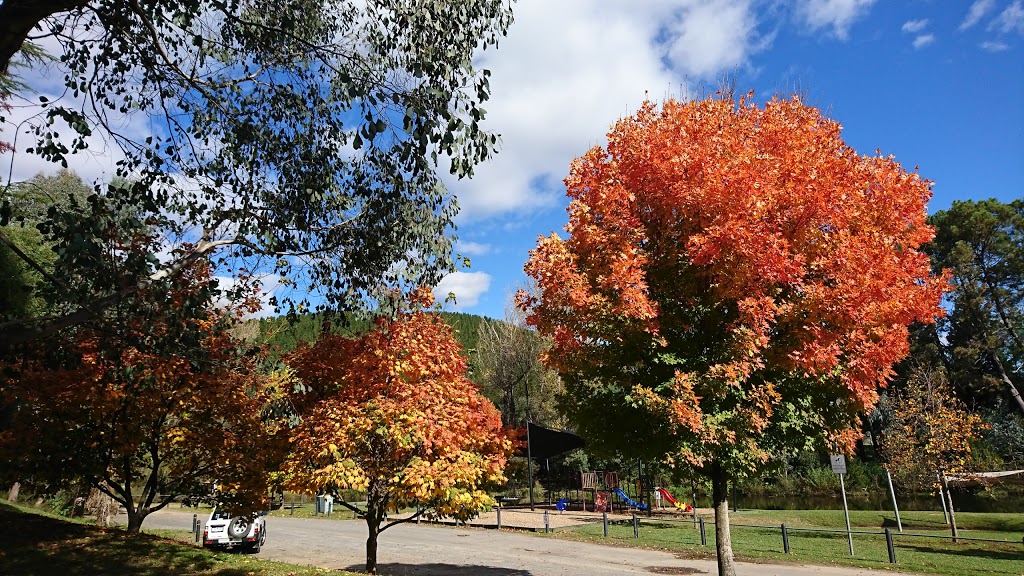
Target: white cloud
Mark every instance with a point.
(269, 283)
(995, 46)
(569, 69)
(468, 248)
(1011, 19)
(924, 40)
(836, 14)
(914, 26)
(95, 163)
(709, 37)
(976, 12)
(467, 287)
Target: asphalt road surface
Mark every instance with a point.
(423, 550)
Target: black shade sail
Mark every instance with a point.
(545, 443)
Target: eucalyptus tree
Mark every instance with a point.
(298, 139)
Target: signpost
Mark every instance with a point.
(839, 467)
(899, 523)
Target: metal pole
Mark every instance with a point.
(639, 480)
(604, 522)
(499, 516)
(942, 498)
(899, 523)
(546, 525)
(529, 461)
(785, 539)
(703, 534)
(693, 489)
(636, 526)
(846, 511)
(889, 546)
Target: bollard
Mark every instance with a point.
(546, 525)
(292, 510)
(785, 539)
(199, 531)
(889, 546)
(604, 522)
(636, 526)
(195, 520)
(499, 517)
(703, 534)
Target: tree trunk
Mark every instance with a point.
(1006, 380)
(509, 412)
(949, 502)
(135, 519)
(12, 494)
(374, 516)
(371, 546)
(723, 539)
(19, 17)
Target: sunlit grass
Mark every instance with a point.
(913, 554)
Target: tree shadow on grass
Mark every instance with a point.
(437, 569)
(1011, 553)
(35, 544)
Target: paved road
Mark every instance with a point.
(423, 550)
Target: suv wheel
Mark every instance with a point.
(238, 527)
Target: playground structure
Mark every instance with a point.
(607, 493)
(569, 489)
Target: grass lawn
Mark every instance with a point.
(38, 544)
(913, 554)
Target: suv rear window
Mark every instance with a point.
(220, 515)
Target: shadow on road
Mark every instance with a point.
(397, 569)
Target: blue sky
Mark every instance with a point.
(938, 84)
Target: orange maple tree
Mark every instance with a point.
(392, 413)
(737, 283)
(145, 422)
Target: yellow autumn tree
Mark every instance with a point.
(392, 414)
(929, 434)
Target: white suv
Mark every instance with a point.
(226, 531)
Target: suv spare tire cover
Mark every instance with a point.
(238, 527)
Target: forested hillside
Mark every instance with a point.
(282, 335)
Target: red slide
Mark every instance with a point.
(668, 497)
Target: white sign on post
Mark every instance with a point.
(839, 467)
(838, 463)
